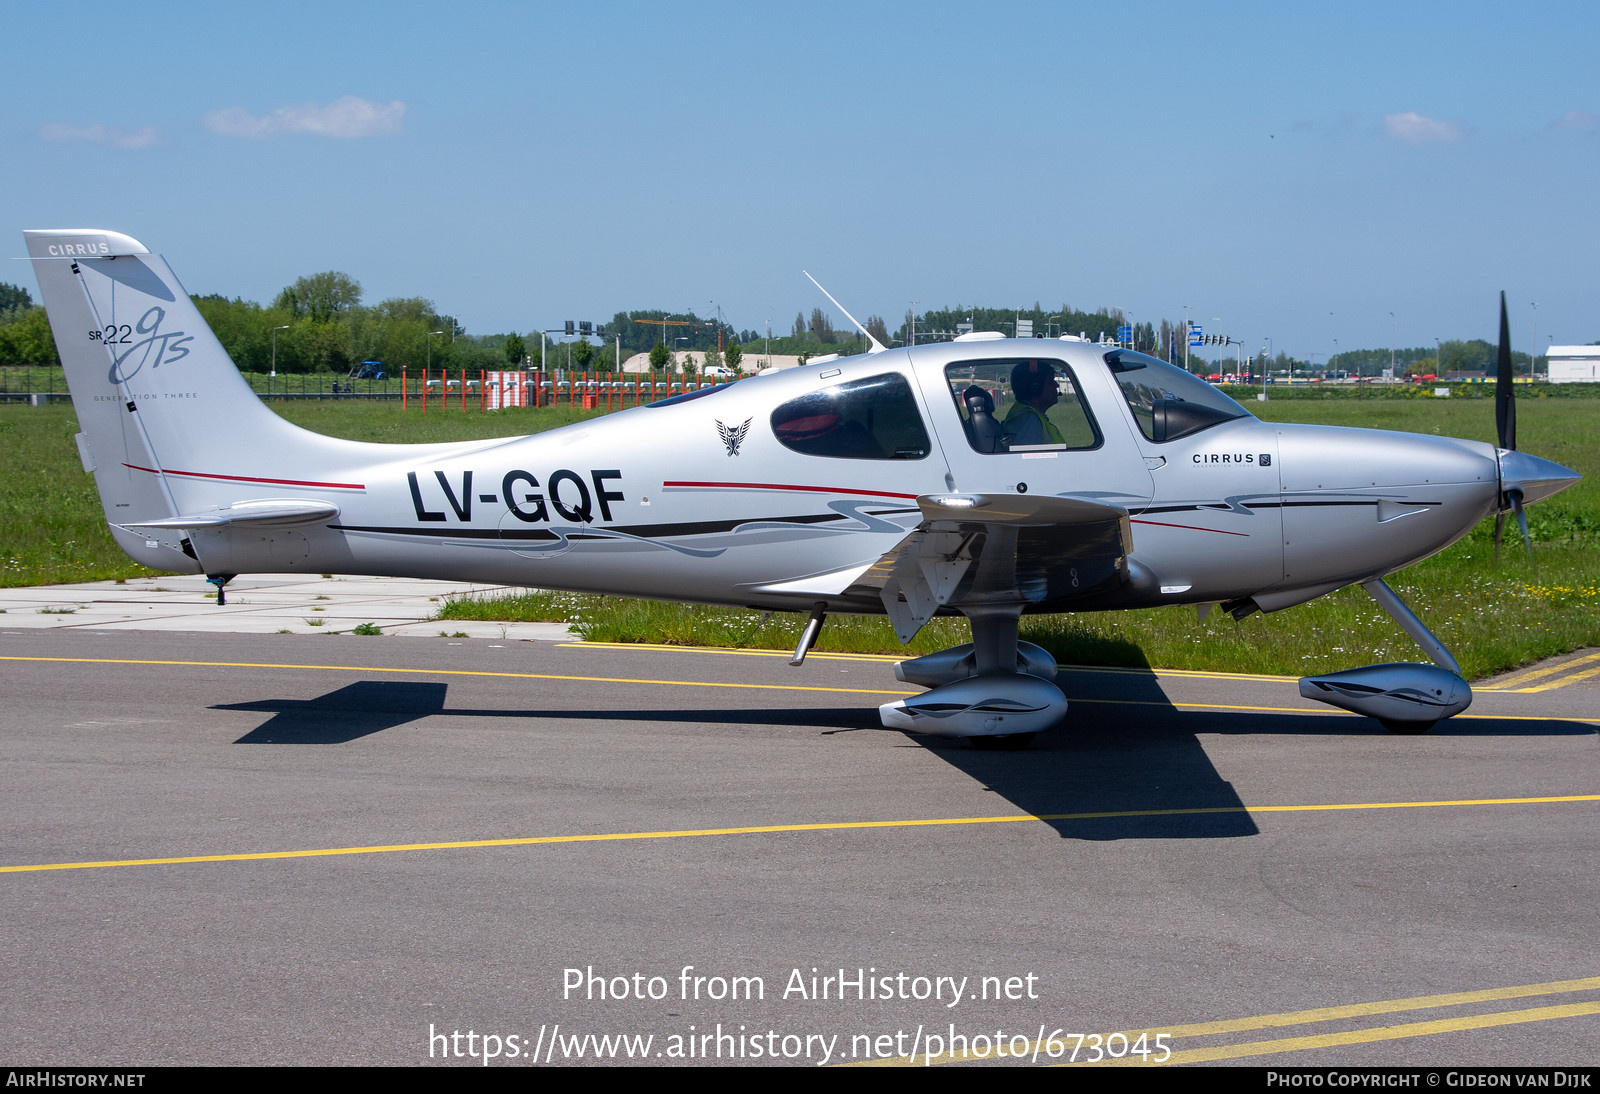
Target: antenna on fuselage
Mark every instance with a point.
(877, 346)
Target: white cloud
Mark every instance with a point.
(1577, 119)
(1413, 128)
(101, 134)
(347, 117)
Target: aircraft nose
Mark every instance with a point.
(1536, 478)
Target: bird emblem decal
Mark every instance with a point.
(733, 436)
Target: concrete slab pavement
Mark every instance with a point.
(260, 604)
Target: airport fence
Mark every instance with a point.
(423, 390)
(445, 390)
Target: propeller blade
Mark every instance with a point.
(1499, 532)
(1505, 406)
(1522, 519)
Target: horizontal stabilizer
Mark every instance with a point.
(257, 514)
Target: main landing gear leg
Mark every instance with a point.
(979, 691)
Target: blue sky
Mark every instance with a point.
(1289, 171)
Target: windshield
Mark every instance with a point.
(1167, 402)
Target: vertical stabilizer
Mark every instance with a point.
(90, 335)
(170, 427)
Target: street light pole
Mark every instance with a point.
(1393, 326)
(1533, 346)
(275, 331)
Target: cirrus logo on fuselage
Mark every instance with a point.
(1233, 459)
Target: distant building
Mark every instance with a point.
(1574, 364)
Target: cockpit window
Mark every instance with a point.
(1020, 404)
(871, 419)
(1167, 402)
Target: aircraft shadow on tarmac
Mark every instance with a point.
(354, 711)
(1124, 749)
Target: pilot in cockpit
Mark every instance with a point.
(1033, 383)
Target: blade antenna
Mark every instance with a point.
(877, 346)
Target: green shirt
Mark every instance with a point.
(1027, 424)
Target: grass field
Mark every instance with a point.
(1493, 619)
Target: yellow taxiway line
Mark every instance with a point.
(1510, 686)
(1320, 711)
(1563, 674)
(891, 658)
(456, 672)
(1296, 1018)
(768, 829)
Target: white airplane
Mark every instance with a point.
(984, 477)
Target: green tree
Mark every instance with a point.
(799, 324)
(733, 354)
(876, 328)
(582, 353)
(659, 356)
(28, 341)
(14, 296)
(320, 297)
(415, 308)
(515, 349)
(821, 326)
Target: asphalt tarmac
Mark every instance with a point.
(333, 849)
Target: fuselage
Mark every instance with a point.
(739, 496)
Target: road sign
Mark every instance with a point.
(1024, 328)
(1195, 336)
(1125, 333)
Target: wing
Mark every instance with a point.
(1016, 549)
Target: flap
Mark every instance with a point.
(1014, 549)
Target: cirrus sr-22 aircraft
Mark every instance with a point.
(984, 477)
